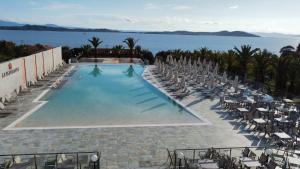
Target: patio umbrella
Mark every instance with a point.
(236, 82)
(216, 69)
(267, 98)
(224, 77)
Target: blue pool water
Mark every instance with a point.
(107, 97)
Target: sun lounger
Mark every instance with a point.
(6, 164)
(4, 113)
(18, 163)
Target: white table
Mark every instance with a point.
(229, 101)
(294, 161)
(205, 161)
(288, 101)
(209, 166)
(261, 109)
(251, 101)
(242, 109)
(259, 121)
(282, 135)
(244, 159)
(282, 120)
(251, 164)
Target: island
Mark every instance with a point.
(49, 27)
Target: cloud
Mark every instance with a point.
(211, 23)
(60, 6)
(130, 20)
(151, 6)
(32, 2)
(234, 7)
(181, 7)
(174, 20)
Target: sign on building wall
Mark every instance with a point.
(11, 70)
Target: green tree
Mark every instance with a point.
(130, 42)
(95, 42)
(138, 50)
(245, 56)
(262, 61)
(282, 67)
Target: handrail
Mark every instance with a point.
(257, 147)
(51, 153)
(77, 154)
(192, 153)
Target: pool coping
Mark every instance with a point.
(12, 126)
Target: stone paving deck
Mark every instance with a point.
(131, 146)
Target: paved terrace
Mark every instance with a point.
(128, 147)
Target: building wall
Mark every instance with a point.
(25, 71)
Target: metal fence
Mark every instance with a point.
(178, 157)
(62, 160)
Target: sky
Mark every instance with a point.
(281, 16)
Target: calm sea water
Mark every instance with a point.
(109, 97)
(152, 42)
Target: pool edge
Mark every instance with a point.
(12, 126)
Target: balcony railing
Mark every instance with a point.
(61, 160)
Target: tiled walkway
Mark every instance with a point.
(128, 147)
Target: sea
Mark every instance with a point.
(152, 42)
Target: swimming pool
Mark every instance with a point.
(107, 95)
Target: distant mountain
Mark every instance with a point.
(9, 23)
(52, 27)
(221, 33)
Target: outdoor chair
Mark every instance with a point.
(288, 144)
(245, 152)
(4, 113)
(263, 159)
(268, 130)
(271, 165)
(209, 153)
(6, 164)
(252, 155)
(51, 164)
(19, 163)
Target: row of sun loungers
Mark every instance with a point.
(59, 82)
(8, 104)
(182, 77)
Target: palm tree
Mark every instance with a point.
(204, 53)
(130, 42)
(287, 50)
(293, 73)
(245, 55)
(298, 50)
(282, 68)
(230, 62)
(293, 57)
(95, 42)
(262, 61)
(138, 49)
